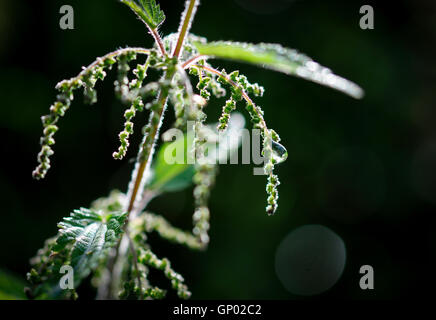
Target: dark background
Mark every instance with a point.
(365, 169)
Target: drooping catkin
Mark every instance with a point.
(136, 94)
(86, 79)
(241, 88)
(148, 258)
(129, 114)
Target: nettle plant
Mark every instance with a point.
(109, 241)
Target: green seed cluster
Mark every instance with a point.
(183, 99)
(201, 220)
(217, 90)
(177, 282)
(200, 136)
(225, 115)
(89, 80)
(273, 195)
(204, 180)
(271, 139)
(86, 80)
(267, 152)
(208, 84)
(255, 113)
(151, 222)
(136, 95)
(45, 271)
(204, 177)
(57, 110)
(122, 83)
(179, 99)
(154, 293)
(132, 291)
(274, 135)
(239, 88)
(202, 86)
(138, 287)
(129, 114)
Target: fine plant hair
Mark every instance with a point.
(108, 242)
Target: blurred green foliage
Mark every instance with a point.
(11, 286)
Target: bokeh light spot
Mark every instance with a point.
(310, 260)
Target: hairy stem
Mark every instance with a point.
(158, 39)
(188, 63)
(185, 25)
(146, 153)
(144, 159)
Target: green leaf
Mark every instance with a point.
(172, 177)
(278, 58)
(83, 242)
(147, 10)
(11, 287)
(169, 177)
(91, 235)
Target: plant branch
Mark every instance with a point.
(158, 39)
(147, 148)
(185, 25)
(193, 60)
(145, 155)
(112, 54)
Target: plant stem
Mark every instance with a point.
(157, 38)
(144, 158)
(185, 25)
(193, 60)
(146, 152)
